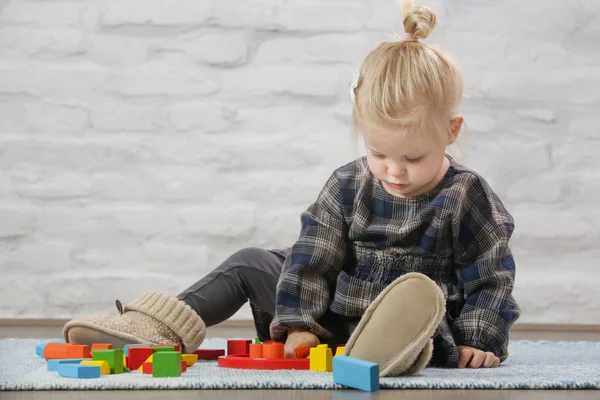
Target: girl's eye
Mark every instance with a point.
(378, 155)
(414, 160)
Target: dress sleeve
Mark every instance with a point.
(310, 270)
(485, 269)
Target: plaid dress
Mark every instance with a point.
(356, 238)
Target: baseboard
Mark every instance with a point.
(242, 324)
(47, 328)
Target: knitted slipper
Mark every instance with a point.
(153, 318)
(397, 327)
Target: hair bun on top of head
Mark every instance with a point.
(418, 21)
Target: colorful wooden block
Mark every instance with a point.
(128, 346)
(101, 346)
(139, 355)
(39, 350)
(148, 360)
(78, 351)
(164, 348)
(210, 354)
(190, 359)
(355, 373)
(245, 362)
(321, 359)
(102, 364)
(238, 347)
(256, 350)
(78, 371)
(114, 358)
(273, 350)
(302, 352)
(55, 351)
(166, 364)
(52, 365)
(147, 368)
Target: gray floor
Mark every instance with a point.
(245, 330)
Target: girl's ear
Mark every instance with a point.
(455, 125)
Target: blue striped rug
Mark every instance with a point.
(532, 365)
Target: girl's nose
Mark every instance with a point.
(396, 170)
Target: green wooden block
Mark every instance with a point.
(114, 358)
(257, 340)
(162, 348)
(166, 364)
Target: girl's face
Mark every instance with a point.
(407, 166)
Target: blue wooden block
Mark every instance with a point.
(39, 349)
(53, 364)
(78, 371)
(127, 346)
(355, 373)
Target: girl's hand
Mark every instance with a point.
(477, 358)
(297, 339)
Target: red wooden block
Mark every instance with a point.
(137, 356)
(209, 354)
(183, 366)
(238, 347)
(147, 368)
(245, 362)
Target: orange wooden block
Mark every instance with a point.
(269, 341)
(58, 351)
(274, 350)
(302, 352)
(78, 351)
(256, 351)
(101, 346)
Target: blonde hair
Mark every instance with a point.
(408, 84)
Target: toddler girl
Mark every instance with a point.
(404, 255)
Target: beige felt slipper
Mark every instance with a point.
(153, 317)
(397, 328)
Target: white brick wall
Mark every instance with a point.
(141, 142)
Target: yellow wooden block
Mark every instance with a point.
(321, 359)
(340, 351)
(141, 368)
(103, 364)
(322, 346)
(190, 359)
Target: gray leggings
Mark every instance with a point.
(251, 275)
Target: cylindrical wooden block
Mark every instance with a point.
(238, 347)
(56, 351)
(274, 350)
(256, 351)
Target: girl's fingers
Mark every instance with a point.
(490, 358)
(478, 359)
(496, 362)
(465, 356)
